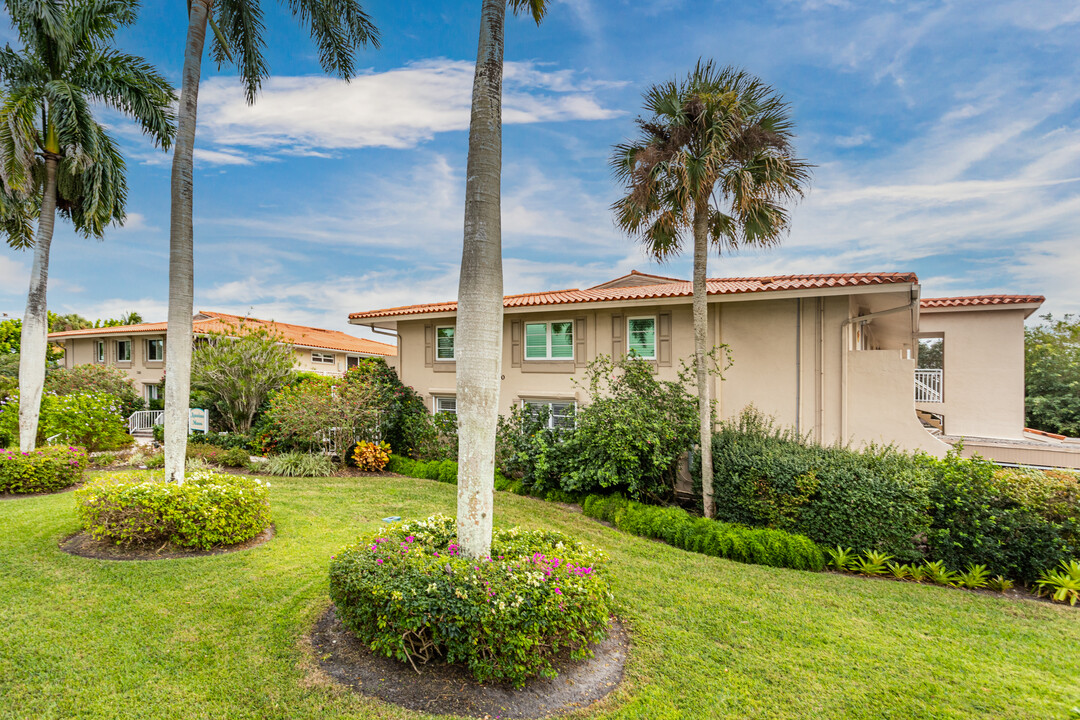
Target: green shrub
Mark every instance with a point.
(1016, 523)
(407, 592)
(298, 464)
(158, 433)
(675, 526)
(235, 457)
(207, 510)
(767, 476)
(222, 440)
(1062, 583)
(89, 420)
(46, 469)
(91, 378)
(439, 470)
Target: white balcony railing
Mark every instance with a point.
(928, 386)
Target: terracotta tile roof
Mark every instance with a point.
(207, 322)
(682, 288)
(976, 300)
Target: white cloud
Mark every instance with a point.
(14, 276)
(398, 108)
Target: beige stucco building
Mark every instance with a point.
(833, 356)
(139, 350)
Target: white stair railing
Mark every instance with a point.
(928, 385)
(145, 420)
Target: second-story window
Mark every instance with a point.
(123, 351)
(641, 337)
(155, 350)
(444, 343)
(322, 358)
(549, 341)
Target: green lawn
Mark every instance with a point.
(220, 637)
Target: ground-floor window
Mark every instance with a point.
(446, 405)
(560, 413)
(322, 358)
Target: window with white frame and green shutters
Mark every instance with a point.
(549, 341)
(444, 343)
(641, 337)
(560, 413)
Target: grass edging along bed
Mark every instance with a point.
(675, 526)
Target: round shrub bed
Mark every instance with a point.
(209, 510)
(407, 592)
(46, 469)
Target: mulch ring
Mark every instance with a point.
(85, 545)
(439, 688)
(16, 496)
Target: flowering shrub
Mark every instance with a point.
(94, 378)
(89, 420)
(370, 456)
(44, 470)
(407, 591)
(208, 510)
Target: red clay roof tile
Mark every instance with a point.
(976, 300)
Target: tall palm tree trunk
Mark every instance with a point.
(35, 327)
(181, 251)
(480, 312)
(701, 326)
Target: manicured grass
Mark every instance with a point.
(221, 636)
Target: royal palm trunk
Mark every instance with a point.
(701, 326)
(35, 327)
(478, 338)
(181, 251)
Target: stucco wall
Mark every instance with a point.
(139, 370)
(787, 361)
(881, 386)
(983, 379)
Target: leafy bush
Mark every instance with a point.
(527, 446)
(320, 413)
(768, 476)
(222, 440)
(371, 457)
(444, 471)
(407, 592)
(91, 379)
(298, 464)
(1062, 583)
(89, 420)
(677, 527)
(158, 432)
(232, 457)
(46, 469)
(208, 510)
(1017, 524)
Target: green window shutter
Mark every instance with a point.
(643, 337)
(536, 341)
(562, 340)
(444, 338)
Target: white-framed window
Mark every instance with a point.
(444, 343)
(99, 350)
(446, 405)
(323, 358)
(123, 351)
(155, 350)
(153, 392)
(549, 341)
(641, 337)
(560, 413)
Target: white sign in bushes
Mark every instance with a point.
(198, 420)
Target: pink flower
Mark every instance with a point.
(558, 591)
(379, 561)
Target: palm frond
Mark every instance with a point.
(536, 8)
(241, 24)
(19, 138)
(133, 86)
(18, 213)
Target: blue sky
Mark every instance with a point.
(946, 136)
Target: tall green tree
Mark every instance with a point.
(339, 28)
(714, 162)
(1052, 375)
(54, 156)
(480, 287)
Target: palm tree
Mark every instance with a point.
(54, 156)
(480, 309)
(338, 27)
(714, 161)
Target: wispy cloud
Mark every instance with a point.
(397, 109)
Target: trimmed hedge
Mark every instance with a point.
(208, 510)
(46, 469)
(407, 592)
(675, 526)
(444, 471)
(874, 499)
